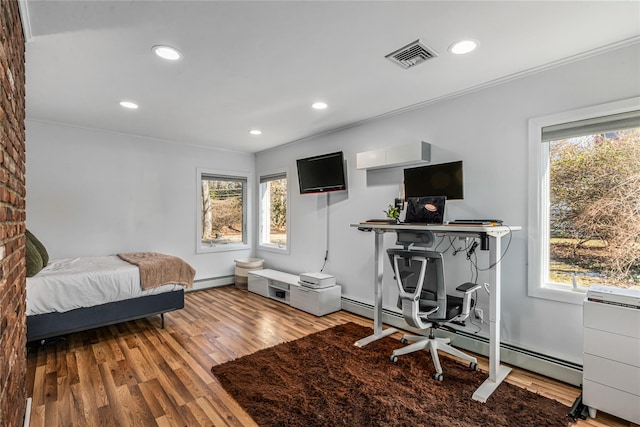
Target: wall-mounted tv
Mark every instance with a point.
(321, 174)
(444, 179)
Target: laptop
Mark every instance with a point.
(425, 210)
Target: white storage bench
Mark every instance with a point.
(284, 287)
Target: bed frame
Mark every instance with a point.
(48, 325)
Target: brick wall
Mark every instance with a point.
(13, 365)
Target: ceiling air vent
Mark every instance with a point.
(412, 54)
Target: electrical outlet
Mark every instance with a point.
(479, 314)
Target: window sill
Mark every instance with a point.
(221, 247)
(559, 293)
(274, 248)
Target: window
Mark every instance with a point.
(222, 221)
(585, 201)
(273, 211)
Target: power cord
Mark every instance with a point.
(326, 255)
(439, 243)
(506, 249)
(472, 249)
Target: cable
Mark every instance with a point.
(501, 256)
(439, 243)
(455, 250)
(326, 253)
(474, 269)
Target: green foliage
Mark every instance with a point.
(223, 210)
(595, 194)
(278, 199)
(392, 212)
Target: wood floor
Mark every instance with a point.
(137, 374)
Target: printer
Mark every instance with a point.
(316, 280)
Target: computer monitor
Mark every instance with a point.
(444, 179)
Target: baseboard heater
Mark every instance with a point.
(549, 366)
(211, 282)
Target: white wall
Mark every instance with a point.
(92, 193)
(487, 129)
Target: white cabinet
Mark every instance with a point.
(284, 287)
(611, 371)
(398, 155)
(316, 301)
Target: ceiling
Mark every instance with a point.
(261, 64)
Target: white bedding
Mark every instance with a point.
(67, 284)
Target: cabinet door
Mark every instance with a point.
(316, 301)
(258, 285)
(305, 299)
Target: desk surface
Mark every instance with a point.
(445, 228)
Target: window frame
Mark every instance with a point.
(247, 207)
(538, 224)
(282, 173)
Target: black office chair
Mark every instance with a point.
(425, 304)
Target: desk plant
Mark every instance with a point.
(393, 213)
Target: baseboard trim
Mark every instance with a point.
(539, 363)
(27, 413)
(212, 282)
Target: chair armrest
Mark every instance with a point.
(468, 287)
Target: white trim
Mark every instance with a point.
(27, 413)
(213, 282)
(266, 246)
(132, 135)
(247, 208)
(538, 221)
(23, 7)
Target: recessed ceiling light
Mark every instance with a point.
(463, 46)
(255, 132)
(167, 52)
(319, 105)
(128, 104)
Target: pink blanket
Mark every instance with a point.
(159, 269)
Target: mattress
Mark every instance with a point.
(67, 284)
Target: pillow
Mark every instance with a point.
(34, 260)
(39, 247)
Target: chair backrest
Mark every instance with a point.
(420, 278)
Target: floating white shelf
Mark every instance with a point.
(397, 155)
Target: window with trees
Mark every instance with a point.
(223, 211)
(273, 211)
(587, 226)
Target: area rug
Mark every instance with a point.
(324, 380)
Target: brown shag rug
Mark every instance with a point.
(324, 380)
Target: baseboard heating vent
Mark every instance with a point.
(211, 282)
(411, 55)
(543, 364)
(523, 351)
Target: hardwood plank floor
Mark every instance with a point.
(137, 374)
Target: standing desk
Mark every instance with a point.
(494, 234)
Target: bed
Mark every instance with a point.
(76, 294)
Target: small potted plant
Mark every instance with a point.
(393, 213)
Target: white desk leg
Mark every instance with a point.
(377, 294)
(497, 372)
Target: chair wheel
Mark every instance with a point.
(438, 376)
(393, 358)
(403, 340)
(473, 366)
